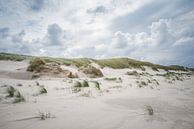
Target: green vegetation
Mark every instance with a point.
(36, 65)
(85, 83)
(44, 116)
(13, 93)
(115, 63)
(14, 57)
(97, 84)
(134, 73)
(141, 83)
(42, 90)
(18, 97)
(91, 71)
(78, 84)
(10, 91)
(174, 76)
(110, 79)
(150, 110)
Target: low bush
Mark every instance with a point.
(42, 90)
(13, 93)
(85, 83)
(36, 65)
(91, 71)
(134, 73)
(10, 91)
(97, 85)
(150, 110)
(110, 79)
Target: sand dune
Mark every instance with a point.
(117, 101)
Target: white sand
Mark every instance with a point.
(119, 105)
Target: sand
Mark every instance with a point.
(119, 104)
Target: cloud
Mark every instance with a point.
(157, 31)
(161, 44)
(55, 34)
(36, 5)
(4, 32)
(138, 20)
(98, 10)
(13, 42)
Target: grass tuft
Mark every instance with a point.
(42, 90)
(150, 110)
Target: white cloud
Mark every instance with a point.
(99, 28)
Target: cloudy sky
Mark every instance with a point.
(159, 31)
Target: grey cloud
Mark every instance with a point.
(54, 34)
(98, 10)
(36, 5)
(14, 43)
(136, 21)
(4, 32)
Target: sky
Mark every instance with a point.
(158, 31)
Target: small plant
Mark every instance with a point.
(18, 97)
(110, 79)
(36, 65)
(76, 89)
(13, 93)
(91, 71)
(85, 83)
(149, 81)
(87, 94)
(144, 83)
(119, 80)
(19, 84)
(43, 90)
(154, 69)
(37, 83)
(35, 76)
(44, 115)
(72, 75)
(97, 85)
(156, 81)
(150, 110)
(10, 91)
(134, 73)
(77, 84)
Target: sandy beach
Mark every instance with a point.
(119, 104)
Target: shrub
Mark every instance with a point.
(35, 76)
(77, 84)
(43, 90)
(18, 97)
(35, 65)
(97, 85)
(149, 81)
(110, 79)
(10, 91)
(91, 71)
(16, 94)
(44, 116)
(154, 68)
(19, 84)
(144, 83)
(76, 89)
(71, 75)
(119, 80)
(85, 83)
(135, 73)
(150, 110)
(37, 83)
